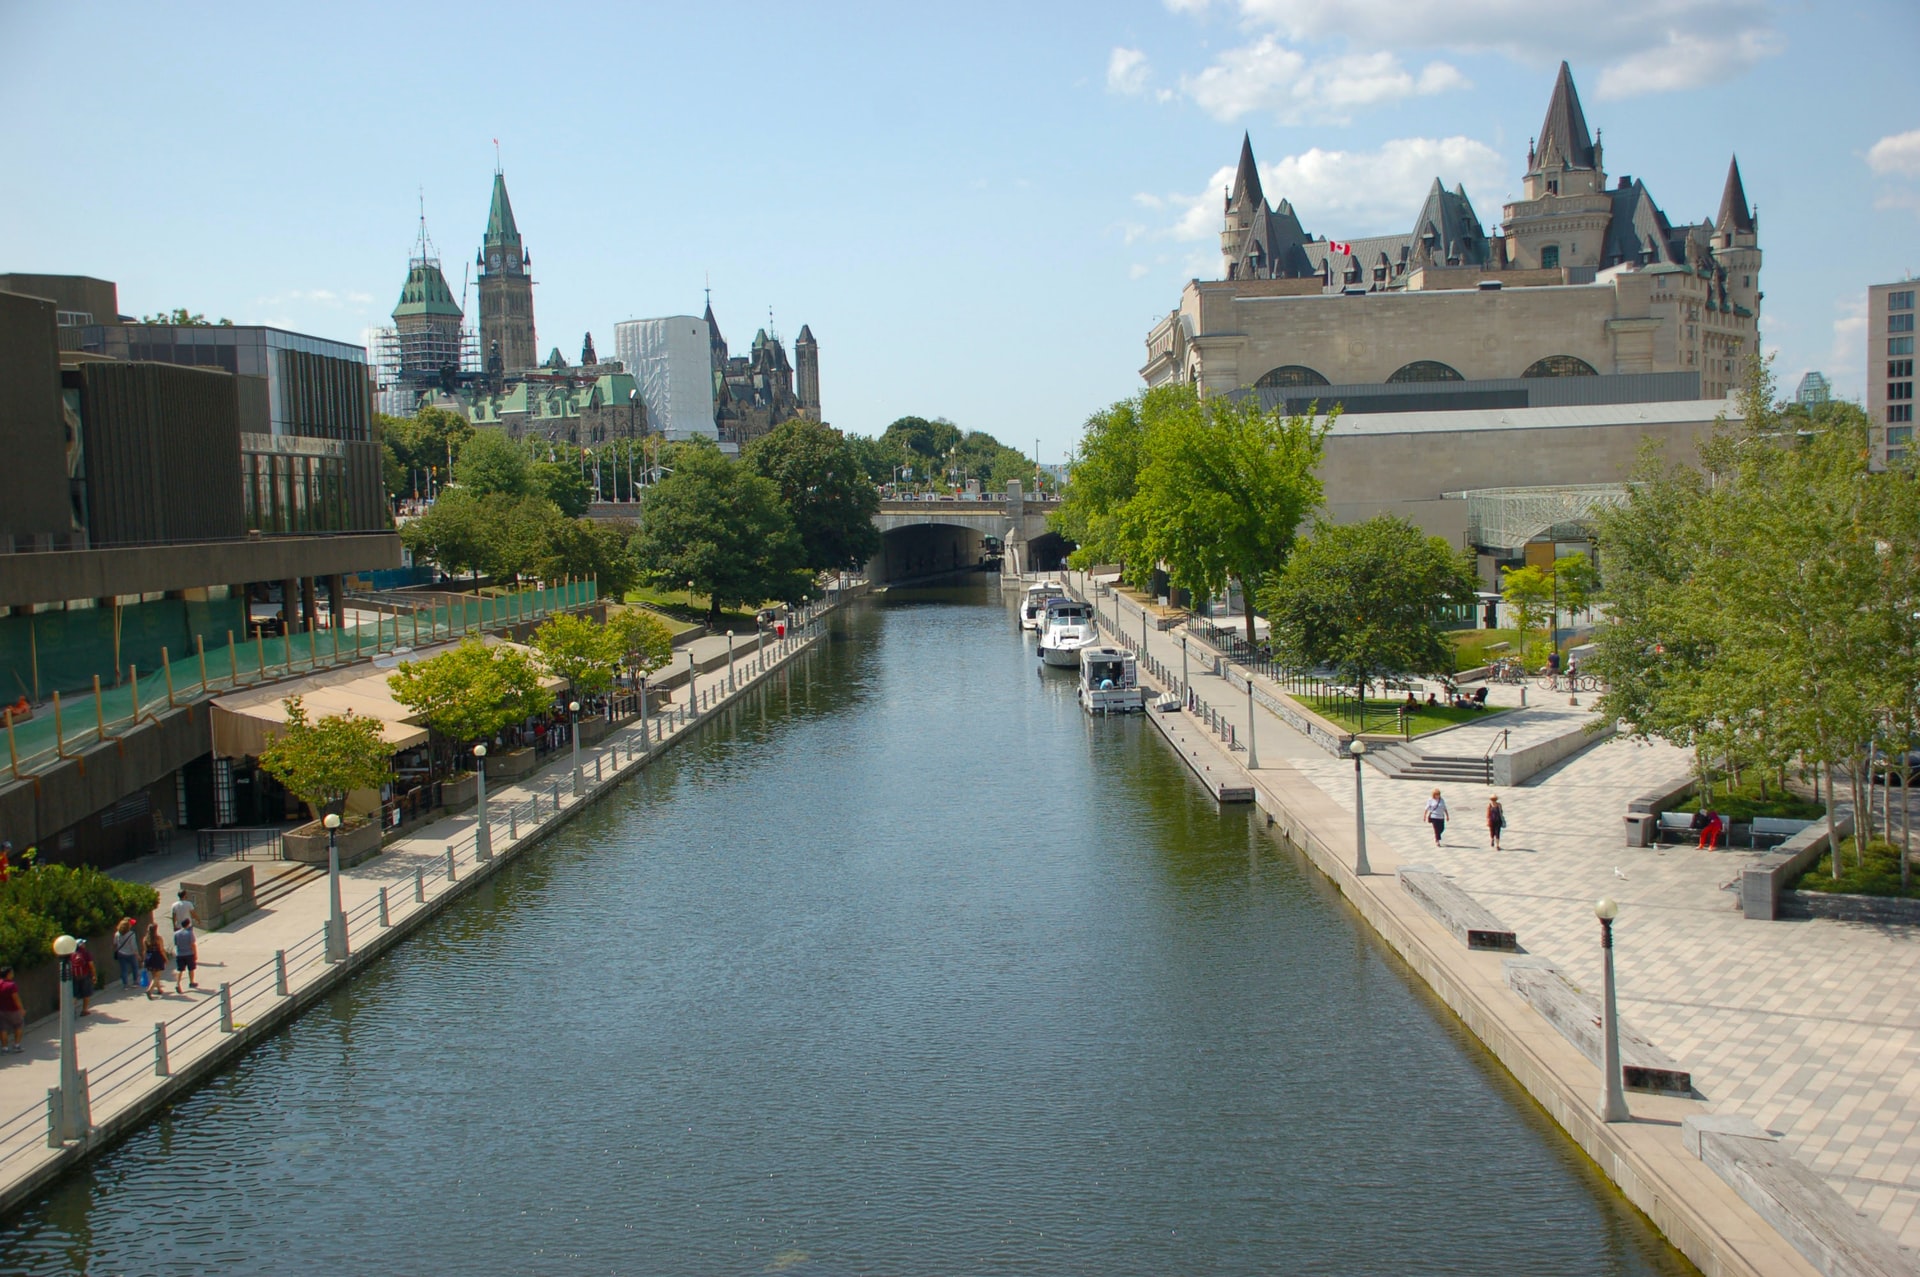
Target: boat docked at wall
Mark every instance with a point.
(1110, 681)
(1067, 627)
(1033, 608)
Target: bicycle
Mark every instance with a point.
(1507, 670)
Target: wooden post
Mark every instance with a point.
(200, 646)
(133, 681)
(233, 661)
(59, 729)
(416, 627)
(13, 748)
(260, 651)
(99, 710)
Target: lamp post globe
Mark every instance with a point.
(1360, 866)
(1613, 1096)
(336, 918)
(483, 824)
(573, 730)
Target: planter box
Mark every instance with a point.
(223, 892)
(307, 845)
(510, 764)
(458, 792)
(594, 730)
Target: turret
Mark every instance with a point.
(506, 285)
(806, 360)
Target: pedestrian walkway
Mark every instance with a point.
(1809, 1028)
(132, 1064)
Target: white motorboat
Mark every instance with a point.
(1068, 627)
(1033, 609)
(1110, 681)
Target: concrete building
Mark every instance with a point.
(79, 300)
(671, 362)
(507, 340)
(1890, 333)
(1580, 280)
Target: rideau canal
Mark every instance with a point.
(907, 966)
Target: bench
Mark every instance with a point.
(1576, 1013)
(1774, 829)
(1472, 922)
(1675, 826)
(1834, 1237)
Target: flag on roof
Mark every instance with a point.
(1337, 246)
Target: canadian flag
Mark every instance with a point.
(1336, 246)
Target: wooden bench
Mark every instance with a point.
(1576, 1013)
(1834, 1237)
(1472, 922)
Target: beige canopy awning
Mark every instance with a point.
(245, 722)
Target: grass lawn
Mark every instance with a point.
(690, 609)
(1472, 646)
(1383, 716)
(1879, 876)
(674, 624)
(1748, 801)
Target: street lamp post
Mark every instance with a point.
(483, 830)
(729, 662)
(337, 919)
(573, 712)
(1184, 682)
(1253, 751)
(1360, 866)
(75, 1120)
(1613, 1099)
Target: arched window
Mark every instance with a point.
(1425, 370)
(1560, 366)
(1291, 375)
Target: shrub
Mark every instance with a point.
(1879, 876)
(41, 904)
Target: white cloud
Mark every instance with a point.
(1268, 76)
(1127, 71)
(1137, 271)
(1897, 155)
(1849, 335)
(1641, 46)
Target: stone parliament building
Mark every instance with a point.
(1579, 279)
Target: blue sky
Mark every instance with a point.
(980, 210)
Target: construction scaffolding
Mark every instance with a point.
(1506, 519)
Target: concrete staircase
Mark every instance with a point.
(281, 878)
(1406, 762)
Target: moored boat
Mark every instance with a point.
(1110, 681)
(1068, 626)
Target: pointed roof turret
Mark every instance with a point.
(1563, 136)
(1734, 214)
(425, 292)
(500, 227)
(1246, 178)
(806, 337)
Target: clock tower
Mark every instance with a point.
(506, 287)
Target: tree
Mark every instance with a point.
(181, 317)
(1367, 598)
(722, 528)
(1528, 593)
(922, 443)
(576, 649)
(561, 483)
(820, 479)
(470, 692)
(490, 462)
(321, 762)
(1097, 514)
(419, 446)
(644, 641)
(520, 534)
(454, 532)
(875, 457)
(593, 548)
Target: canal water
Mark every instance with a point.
(906, 967)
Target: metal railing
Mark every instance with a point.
(239, 844)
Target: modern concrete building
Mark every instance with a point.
(1580, 280)
(1890, 334)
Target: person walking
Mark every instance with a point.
(1496, 820)
(13, 1013)
(80, 967)
(126, 952)
(183, 911)
(186, 956)
(1437, 815)
(154, 959)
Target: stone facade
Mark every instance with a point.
(507, 341)
(1580, 279)
(755, 392)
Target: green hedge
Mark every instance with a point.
(1879, 876)
(39, 904)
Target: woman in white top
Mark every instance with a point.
(1437, 815)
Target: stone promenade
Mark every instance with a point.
(1809, 1028)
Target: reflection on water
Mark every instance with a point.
(907, 966)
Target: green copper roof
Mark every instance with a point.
(500, 227)
(426, 292)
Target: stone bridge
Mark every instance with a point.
(925, 537)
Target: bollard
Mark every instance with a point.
(226, 1007)
(160, 1066)
(420, 885)
(280, 972)
(556, 798)
(596, 769)
(450, 875)
(383, 908)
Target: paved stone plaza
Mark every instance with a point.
(1809, 1027)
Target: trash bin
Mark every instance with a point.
(1640, 825)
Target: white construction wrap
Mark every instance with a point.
(671, 358)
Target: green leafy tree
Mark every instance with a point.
(723, 528)
(819, 477)
(418, 447)
(321, 761)
(580, 651)
(1098, 514)
(1528, 593)
(561, 483)
(470, 692)
(875, 457)
(491, 463)
(602, 550)
(922, 443)
(455, 532)
(644, 641)
(181, 317)
(520, 533)
(1367, 599)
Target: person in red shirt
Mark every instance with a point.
(13, 1015)
(80, 965)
